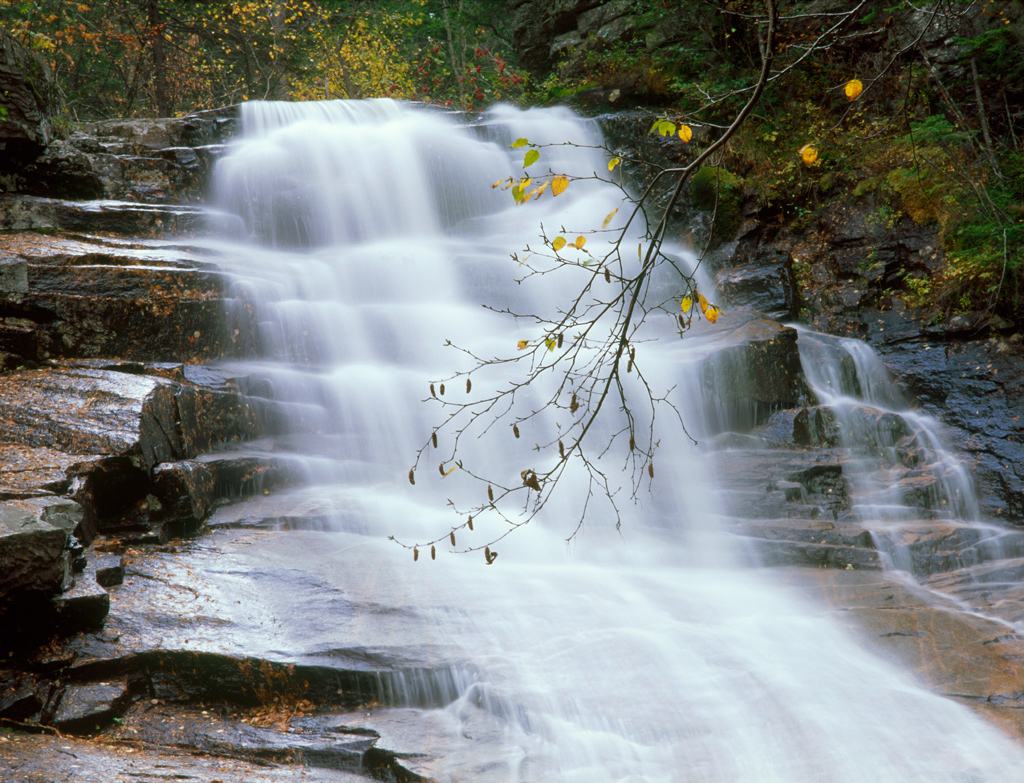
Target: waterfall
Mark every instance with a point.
(366, 236)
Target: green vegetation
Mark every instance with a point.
(934, 145)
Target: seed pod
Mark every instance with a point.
(441, 389)
(515, 430)
(412, 476)
(451, 537)
(629, 366)
(432, 392)
(574, 404)
(490, 493)
(650, 469)
(632, 443)
(433, 439)
(682, 322)
(440, 468)
(559, 339)
(433, 552)
(607, 275)
(469, 385)
(561, 450)
(469, 522)
(415, 554)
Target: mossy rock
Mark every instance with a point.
(714, 188)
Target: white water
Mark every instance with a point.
(368, 236)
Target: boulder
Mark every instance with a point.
(27, 88)
(749, 367)
(87, 708)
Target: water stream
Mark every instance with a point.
(367, 235)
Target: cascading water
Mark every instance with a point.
(368, 235)
(905, 476)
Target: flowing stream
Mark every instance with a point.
(367, 236)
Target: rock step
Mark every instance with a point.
(90, 297)
(121, 218)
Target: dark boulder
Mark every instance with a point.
(27, 88)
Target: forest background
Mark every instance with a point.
(932, 135)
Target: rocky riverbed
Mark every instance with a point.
(161, 617)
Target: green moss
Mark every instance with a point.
(713, 188)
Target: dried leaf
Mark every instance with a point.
(608, 218)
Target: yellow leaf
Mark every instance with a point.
(703, 302)
(712, 313)
(522, 345)
(580, 242)
(808, 154)
(531, 157)
(613, 163)
(685, 132)
(498, 183)
(608, 218)
(449, 471)
(686, 304)
(550, 342)
(558, 244)
(519, 143)
(664, 128)
(558, 185)
(853, 89)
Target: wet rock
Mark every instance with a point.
(106, 570)
(764, 289)
(32, 554)
(86, 709)
(21, 213)
(92, 299)
(971, 659)
(19, 695)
